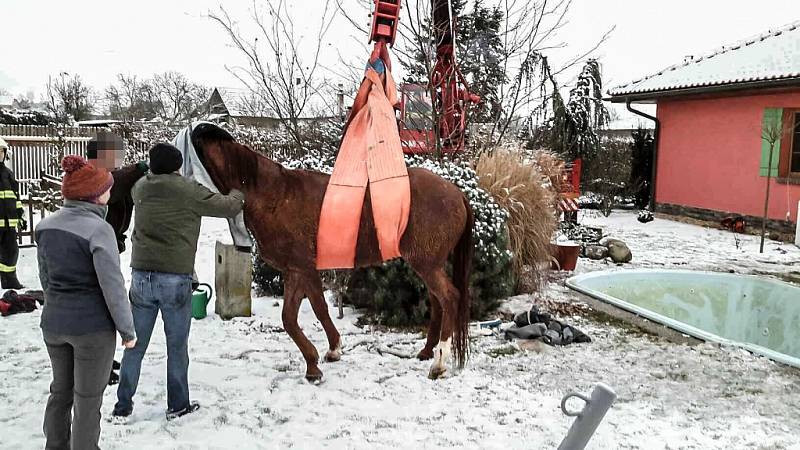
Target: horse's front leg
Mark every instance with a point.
(293, 293)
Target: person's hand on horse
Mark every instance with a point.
(129, 344)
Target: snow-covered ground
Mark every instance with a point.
(668, 244)
(248, 375)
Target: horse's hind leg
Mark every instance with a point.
(434, 330)
(317, 298)
(293, 294)
(440, 286)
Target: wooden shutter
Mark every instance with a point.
(771, 127)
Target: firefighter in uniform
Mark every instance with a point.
(11, 217)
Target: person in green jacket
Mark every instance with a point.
(166, 226)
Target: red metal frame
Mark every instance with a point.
(570, 190)
(451, 96)
(385, 17)
(571, 181)
(416, 133)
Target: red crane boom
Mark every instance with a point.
(447, 86)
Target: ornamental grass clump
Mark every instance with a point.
(521, 189)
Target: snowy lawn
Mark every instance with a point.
(248, 376)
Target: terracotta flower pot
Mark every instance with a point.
(565, 255)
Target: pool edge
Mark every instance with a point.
(673, 324)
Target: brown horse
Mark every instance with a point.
(282, 210)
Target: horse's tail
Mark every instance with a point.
(462, 267)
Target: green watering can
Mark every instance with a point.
(200, 299)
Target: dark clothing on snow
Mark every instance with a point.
(535, 325)
(13, 303)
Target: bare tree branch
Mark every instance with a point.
(277, 70)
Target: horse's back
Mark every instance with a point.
(436, 218)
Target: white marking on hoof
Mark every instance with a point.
(441, 354)
(334, 355)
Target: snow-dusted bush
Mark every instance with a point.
(23, 117)
(319, 141)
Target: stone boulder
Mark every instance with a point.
(618, 251)
(596, 252)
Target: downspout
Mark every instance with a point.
(655, 151)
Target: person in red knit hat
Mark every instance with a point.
(85, 305)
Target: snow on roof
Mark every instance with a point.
(96, 122)
(774, 55)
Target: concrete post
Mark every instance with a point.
(234, 278)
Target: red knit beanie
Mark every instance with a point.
(83, 181)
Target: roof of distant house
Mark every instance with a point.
(97, 122)
(772, 57)
(241, 102)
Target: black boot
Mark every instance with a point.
(8, 280)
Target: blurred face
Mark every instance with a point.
(2, 154)
(108, 159)
(103, 199)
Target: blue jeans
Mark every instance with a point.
(171, 294)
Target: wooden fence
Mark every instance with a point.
(45, 131)
(32, 148)
(33, 151)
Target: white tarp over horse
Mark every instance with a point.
(193, 169)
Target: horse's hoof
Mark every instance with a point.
(314, 378)
(437, 372)
(425, 354)
(333, 355)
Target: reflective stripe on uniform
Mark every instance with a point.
(12, 223)
(7, 269)
(19, 204)
(8, 194)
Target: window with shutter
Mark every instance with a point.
(789, 166)
(794, 158)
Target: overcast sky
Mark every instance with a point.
(100, 38)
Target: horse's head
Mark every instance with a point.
(229, 164)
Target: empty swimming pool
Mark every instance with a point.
(758, 314)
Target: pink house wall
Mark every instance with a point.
(709, 154)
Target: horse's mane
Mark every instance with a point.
(241, 161)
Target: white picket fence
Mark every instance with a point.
(31, 148)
